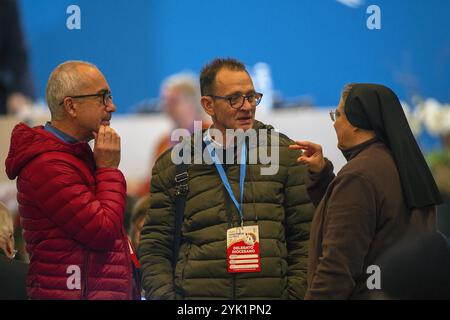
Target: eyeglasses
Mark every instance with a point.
(334, 114)
(237, 100)
(106, 97)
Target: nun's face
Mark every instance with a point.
(344, 129)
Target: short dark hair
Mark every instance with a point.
(210, 70)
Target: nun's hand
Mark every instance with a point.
(312, 155)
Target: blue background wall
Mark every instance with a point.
(313, 47)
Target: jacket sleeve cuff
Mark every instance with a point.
(102, 170)
(317, 178)
(110, 173)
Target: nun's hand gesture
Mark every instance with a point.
(312, 155)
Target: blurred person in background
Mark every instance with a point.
(138, 215)
(384, 189)
(13, 273)
(72, 199)
(180, 96)
(16, 88)
(180, 99)
(417, 267)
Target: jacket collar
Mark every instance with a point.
(60, 134)
(352, 152)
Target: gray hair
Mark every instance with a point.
(6, 226)
(345, 92)
(65, 80)
(187, 83)
(347, 88)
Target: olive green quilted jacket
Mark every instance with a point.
(278, 204)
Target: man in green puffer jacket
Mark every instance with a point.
(276, 202)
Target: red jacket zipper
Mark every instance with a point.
(129, 268)
(85, 275)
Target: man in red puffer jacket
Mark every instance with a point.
(72, 200)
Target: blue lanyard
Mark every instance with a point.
(223, 176)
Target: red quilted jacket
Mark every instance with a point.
(72, 217)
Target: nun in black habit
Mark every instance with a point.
(385, 189)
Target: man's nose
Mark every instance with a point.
(247, 106)
(111, 107)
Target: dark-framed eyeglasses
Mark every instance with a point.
(106, 97)
(334, 114)
(237, 100)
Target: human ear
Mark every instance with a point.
(70, 107)
(208, 105)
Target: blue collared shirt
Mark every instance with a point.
(59, 134)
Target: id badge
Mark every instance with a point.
(243, 253)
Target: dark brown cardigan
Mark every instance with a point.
(361, 213)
